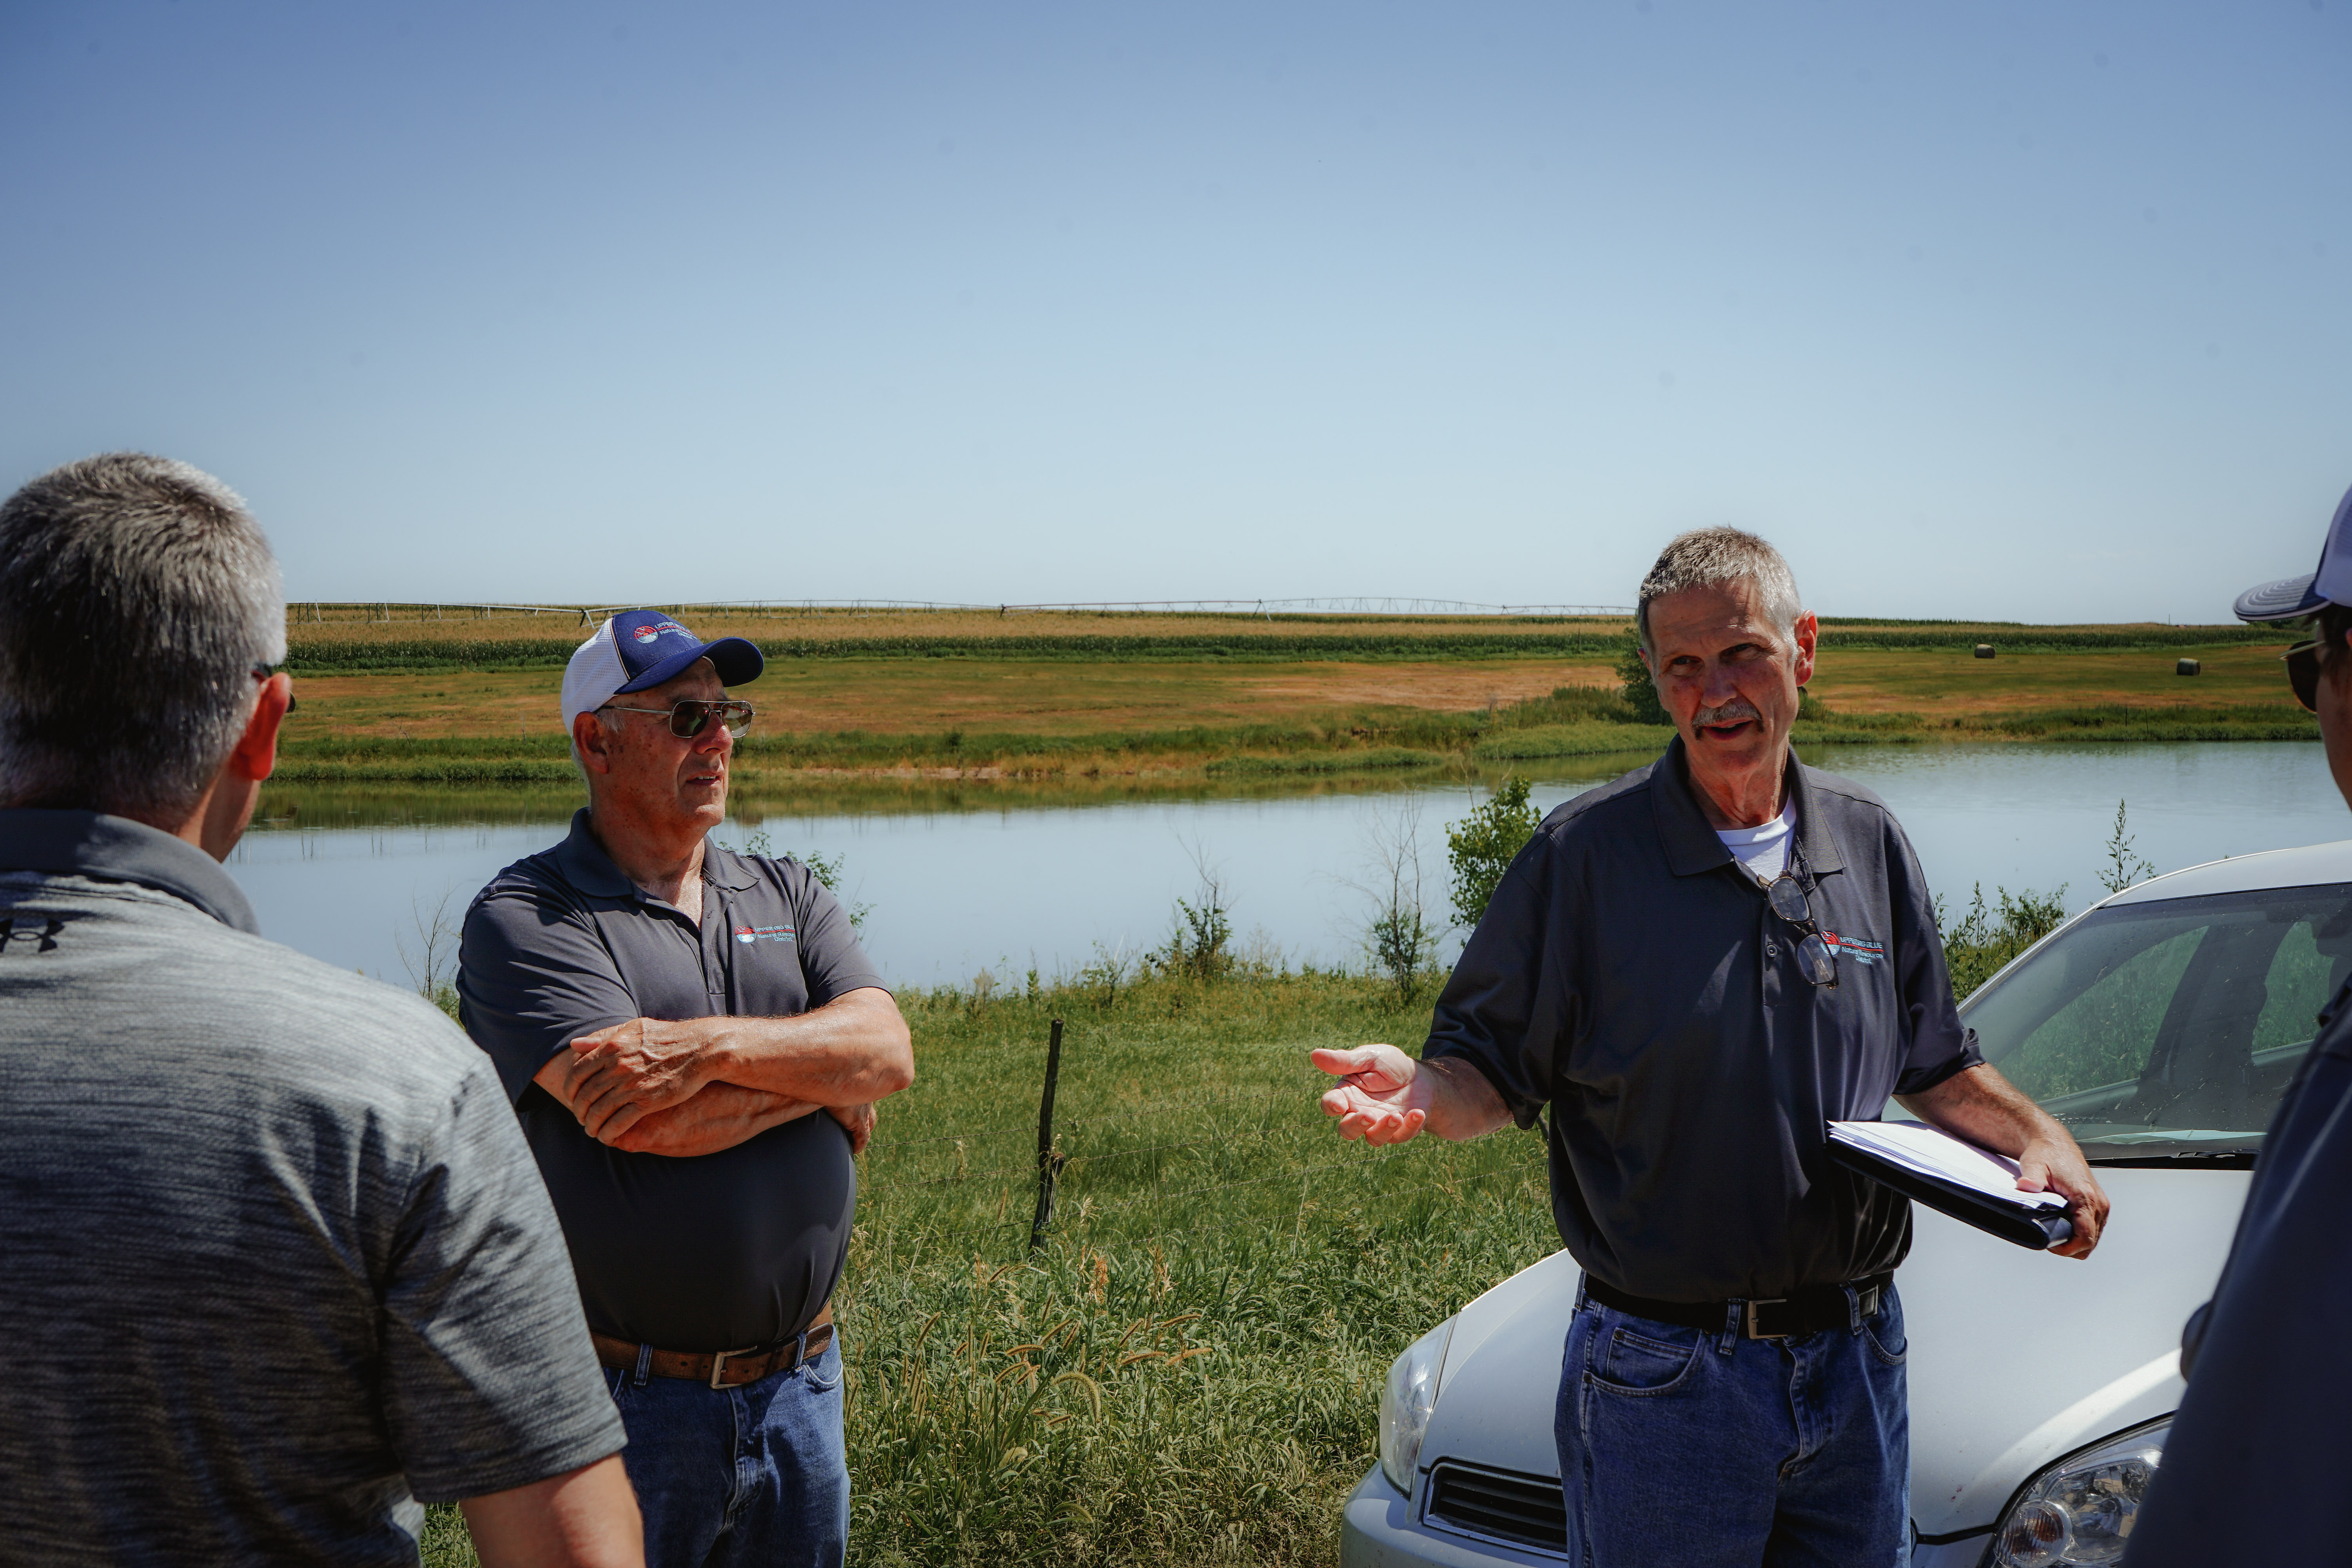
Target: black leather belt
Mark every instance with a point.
(1809, 1312)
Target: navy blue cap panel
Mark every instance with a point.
(737, 661)
(655, 648)
(2289, 599)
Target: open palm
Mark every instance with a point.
(1381, 1096)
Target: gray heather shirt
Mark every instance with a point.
(274, 1261)
(1630, 974)
(715, 1252)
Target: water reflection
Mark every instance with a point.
(961, 876)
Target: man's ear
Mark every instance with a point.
(256, 756)
(1809, 633)
(594, 744)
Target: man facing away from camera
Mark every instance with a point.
(1697, 967)
(693, 1040)
(274, 1260)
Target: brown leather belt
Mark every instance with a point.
(721, 1369)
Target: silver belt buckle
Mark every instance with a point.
(717, 1364)
(1753, 1331)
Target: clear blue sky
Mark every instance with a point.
(2034, 310)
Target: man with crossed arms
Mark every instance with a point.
(668, 1016)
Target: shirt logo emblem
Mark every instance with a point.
(747, 935)
(1862, 948)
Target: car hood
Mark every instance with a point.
(2016, 1358)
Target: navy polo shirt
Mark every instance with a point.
(2264, 1415)
(1630, 974)
(715, 1252)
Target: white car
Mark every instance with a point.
(2161, 1025)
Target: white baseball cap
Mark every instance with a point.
(638, 649)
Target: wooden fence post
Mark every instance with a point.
(1049, 1164)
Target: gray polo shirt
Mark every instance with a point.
(1629, 974)
(274, 1261)
(720, 1251)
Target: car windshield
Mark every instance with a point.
(2166, 1031)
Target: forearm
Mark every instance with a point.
(718, 1115)
(1462, 1104)
(854, 1050)
(1986, 1109)
(586, 1518)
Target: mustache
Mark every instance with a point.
(1732, 712)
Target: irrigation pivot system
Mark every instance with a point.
(322, 610)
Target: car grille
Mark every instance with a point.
(1527, 1511)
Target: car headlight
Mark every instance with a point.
(2082, 1509)
(1410, 1394)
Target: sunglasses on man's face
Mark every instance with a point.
(691, 715)
(2301, 663)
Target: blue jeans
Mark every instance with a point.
(752, 1475)
(1690, 1448)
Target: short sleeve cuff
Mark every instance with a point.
(1919, 1081)
(1523, 1111)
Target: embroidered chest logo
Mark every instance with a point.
(747, 935)
(1860, 948)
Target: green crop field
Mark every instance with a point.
(1170, 702)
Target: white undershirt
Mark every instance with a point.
(1763, 850)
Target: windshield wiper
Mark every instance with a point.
(2216, 1159)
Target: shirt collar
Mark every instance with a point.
(1691, 844)
(586, 866)
(116, 850)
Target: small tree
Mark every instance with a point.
(1640, 691)
(2124, 867)
(1480, 847)
(1201, 932)
(1400, 937)
(432, 963)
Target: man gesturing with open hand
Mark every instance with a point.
(1386, 1097)
(1696, 968)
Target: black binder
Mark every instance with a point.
(2027, 1225)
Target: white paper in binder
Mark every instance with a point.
(1932, 1152)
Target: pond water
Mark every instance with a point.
(1006, 888)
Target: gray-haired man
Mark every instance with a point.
(1732, 1389)
(274, 1260)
